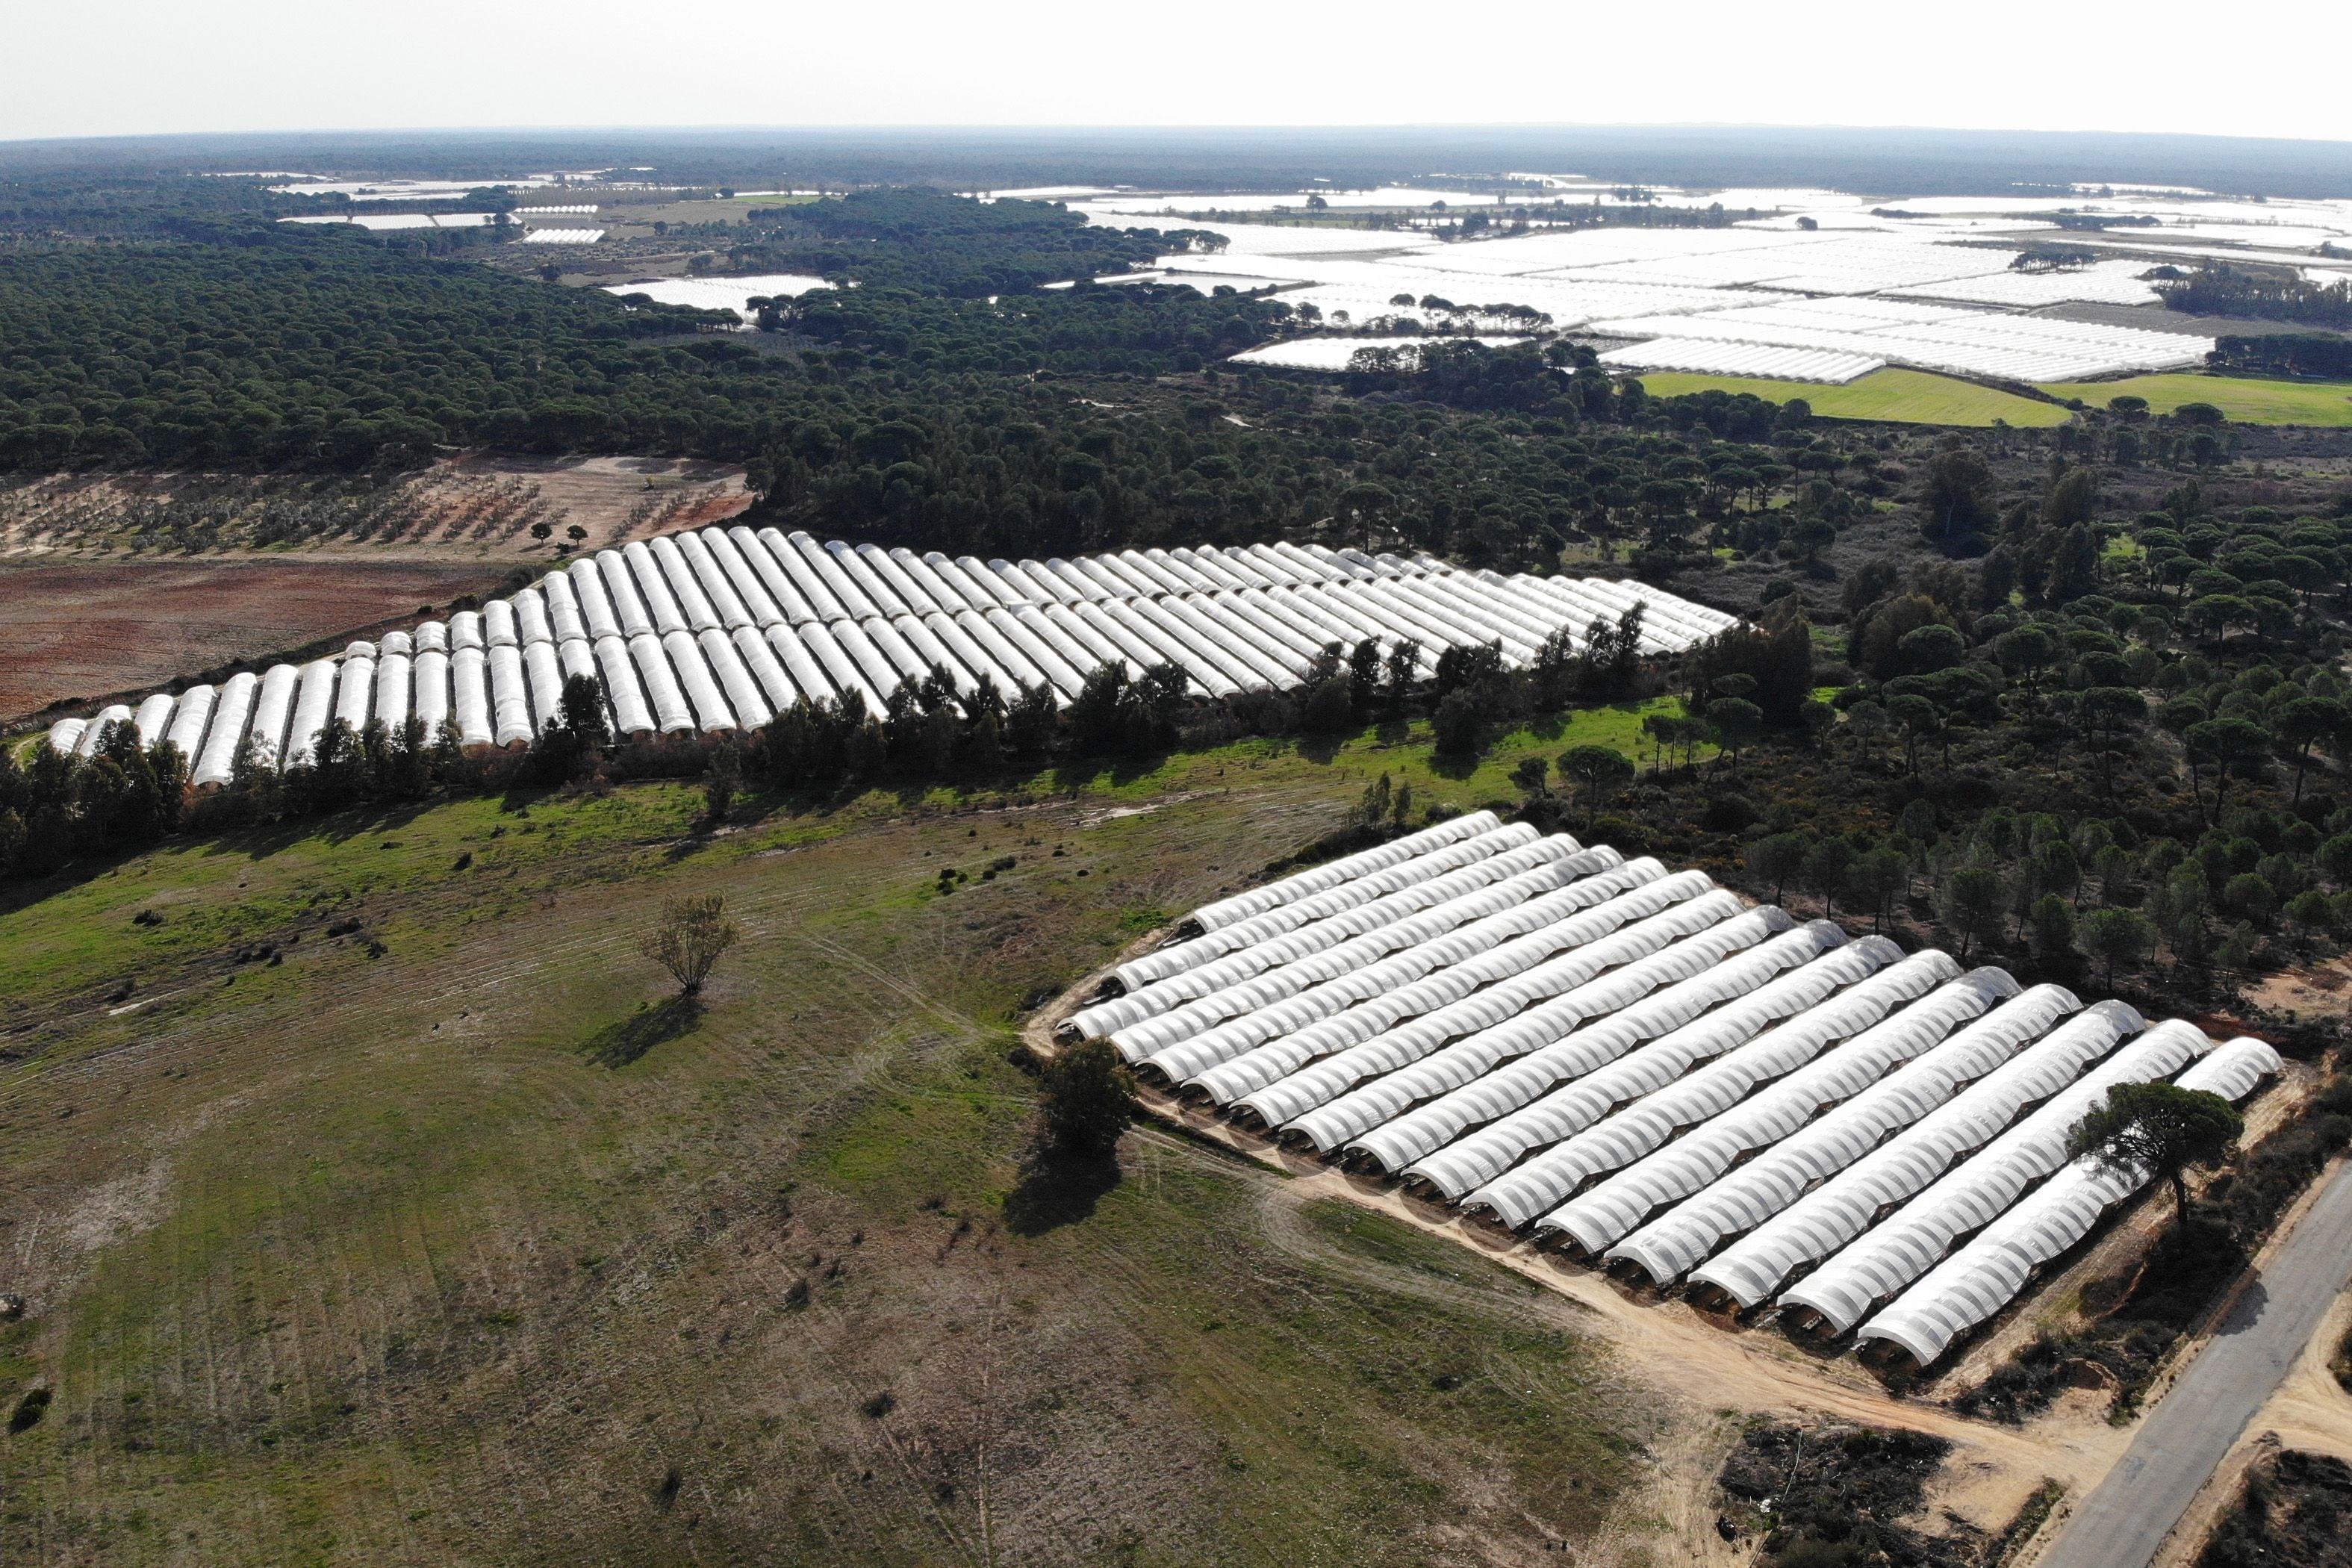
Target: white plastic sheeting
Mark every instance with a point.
(355, 686)
(1751, 1192)
(1461, 1086)
(1832, 1215)
(470, 702)
(1257, 901)
(1614, 892)
(230, 715)
(1729, 1115)
(1369, 975)
(153, 716)
(509, 698)
(839, 618)
(94, 736)
(429, 690)
(1497, 954)
(1292, 931)
(273, 706)
(1908, 1243)
(1180, 958)
(1332, 1100)
(190, 716)
(1981, 1277)
(314, 704)
(1705, 1017)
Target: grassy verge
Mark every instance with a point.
(1897, 395)
(2243, 398)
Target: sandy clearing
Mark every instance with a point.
(2319, 989)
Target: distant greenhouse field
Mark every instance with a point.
(1656, 1076)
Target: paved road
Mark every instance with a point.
(2127, 1517)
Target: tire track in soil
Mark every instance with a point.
(412, 988)
(1699, 1362)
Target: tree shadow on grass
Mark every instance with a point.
(1057, 1189)
(619, 1043)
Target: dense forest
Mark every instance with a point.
(2272, 295)
(902, 408)
(919, 241)
(2317, 355)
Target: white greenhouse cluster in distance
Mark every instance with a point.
(1634, 1064)
(734, 294)
(721, 628)
(404, 220)
(1700, 300)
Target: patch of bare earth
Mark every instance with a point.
(113, 584)
(86, 630)
(2320, 990)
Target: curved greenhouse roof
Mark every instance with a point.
(1635, 1063)
(719, 629)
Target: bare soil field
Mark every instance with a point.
(117, 584)
(85, 630)
(463, 509)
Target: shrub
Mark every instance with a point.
(694, 935)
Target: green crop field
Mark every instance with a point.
(444, 1238)
(2243, 398)
(1897, 395)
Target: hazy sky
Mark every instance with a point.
(2263, 67)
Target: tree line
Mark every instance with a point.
(57, 808)
(2219, 288)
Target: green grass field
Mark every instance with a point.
(2242, 398)
(1899, 396)
(445, 1239)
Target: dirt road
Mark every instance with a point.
(2123, 1523)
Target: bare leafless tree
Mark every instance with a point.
(694, 935)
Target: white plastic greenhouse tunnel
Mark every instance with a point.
(1637, 1067)
(697, 635)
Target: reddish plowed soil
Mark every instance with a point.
(86, 630)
